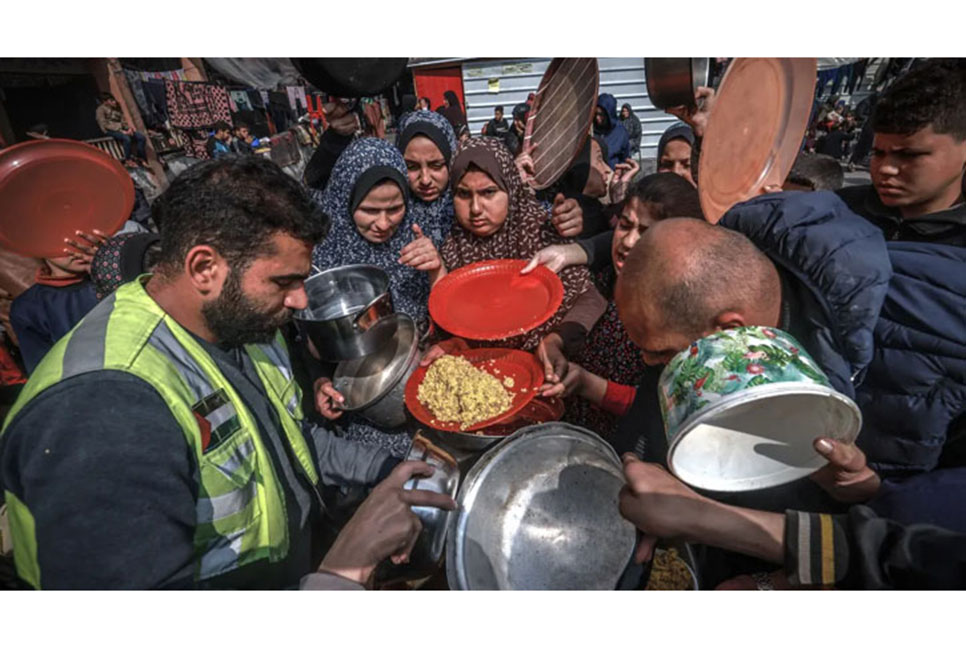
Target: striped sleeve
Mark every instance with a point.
(816, 548)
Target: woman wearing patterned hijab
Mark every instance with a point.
(367, 201)
(427, 143)
(498, 218)
(372, 222)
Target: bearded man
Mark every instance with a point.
(161, 442)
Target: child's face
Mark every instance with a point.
(69, 264)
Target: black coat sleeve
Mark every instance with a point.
(107, 474)
(320, 165)
(861, 550)
(597, 249)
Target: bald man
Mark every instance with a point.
(886, 322)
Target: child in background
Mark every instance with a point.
(62, 295)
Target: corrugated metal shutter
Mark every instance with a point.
(624, 78)
(508, 82)
(512, 81)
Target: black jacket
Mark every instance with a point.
(947, 226)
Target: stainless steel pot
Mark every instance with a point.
(374, 385)
(347, 315)
(672, 81)
(540, 511)
(428, 550)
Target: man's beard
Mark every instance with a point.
(234, 319)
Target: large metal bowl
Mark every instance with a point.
(672, 81)
(374, 385)
(540, 511)
(347, 315)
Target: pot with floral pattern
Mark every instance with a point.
(742, 408)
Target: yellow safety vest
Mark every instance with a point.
(240, 507)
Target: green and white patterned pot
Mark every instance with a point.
(742, 408)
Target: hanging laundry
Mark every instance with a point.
(240, 98)
(196, 105)
(255, 98)
(156, 96)
(135, 84)
(296, 99)
(280, 110)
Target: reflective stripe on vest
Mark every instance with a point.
(240, 508)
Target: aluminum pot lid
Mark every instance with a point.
(539, 511)
(364, 380)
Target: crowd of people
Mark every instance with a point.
(176, 430)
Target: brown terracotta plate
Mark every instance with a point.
(561, 116)
(51, 188)
(755, 131)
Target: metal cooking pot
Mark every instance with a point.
(672, 81)
(348, 312)
(374, 385)
(540, 511)
(428, 550)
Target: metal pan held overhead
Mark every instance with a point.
(561, 116)
(755, 131)
(351, 77)
(672, 81)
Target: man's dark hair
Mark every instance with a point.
(234, 204)
(498, 109)
(932, 94)
(820, 172)
(240, 125)
(106, 96)
(667, 195)
(220, 126)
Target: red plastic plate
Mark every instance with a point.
(539, 410)
(526, 371)
(491, 300)
(49, 189)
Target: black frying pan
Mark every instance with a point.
(351, 77)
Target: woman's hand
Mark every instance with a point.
(567, 216)
(420, 253)
(559, 373)
(326, 399)
(696, 116)
(621, 179)
(524, 163)
(85, 246)
(557, 257)
(437, 351)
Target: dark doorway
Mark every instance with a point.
(65, 103)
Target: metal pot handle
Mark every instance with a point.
(373, 312)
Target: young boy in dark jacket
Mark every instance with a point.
(62, 295)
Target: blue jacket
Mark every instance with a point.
(43, 314)
(613, 134)
(887, 321)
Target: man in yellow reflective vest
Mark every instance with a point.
(161, 442)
